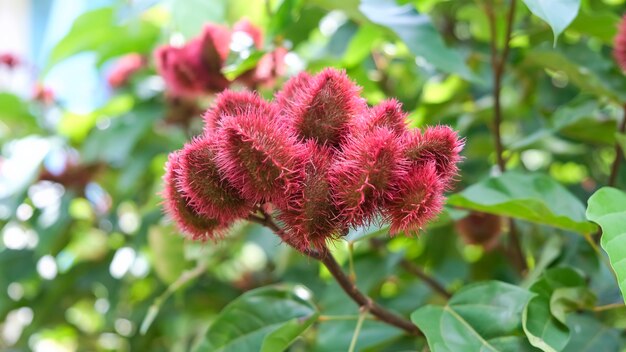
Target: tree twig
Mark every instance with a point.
(342, 279)
(498, 65)
(417, 271)
(619, 153)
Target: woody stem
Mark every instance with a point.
(343, 280)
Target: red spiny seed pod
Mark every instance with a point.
(363, 172)
(202, 184)
(388, 114)
(194, 225)
(214, 45)
(415, 199)
(258, 155)
(231, 103)
(178, 72)
(124, 68)
(480, 229)
(619, 44)
(9, 60)
(323, 109)
(195, 68)
(287, 98)
(310, 215)
(440, 144)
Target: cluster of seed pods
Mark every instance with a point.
(196, 67)
(319, 155)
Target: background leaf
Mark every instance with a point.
(480, 317)
(532, 197)
(418, 33)
(607, 207)
(545, 330)
(264, 319)
(557, 13)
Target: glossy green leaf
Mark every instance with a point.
(480, 317)
(88, 31)
(418, 33)
(592, 335)
(601, 25)
(532, 197)
(97, 31)
(568, 299)
(265, 319)
(580, 119)
(557, 13)
(238, 66)
(544, 330)
(550, 250)
(607, 208)
(188, 16)
(587, 69)
(361, 45)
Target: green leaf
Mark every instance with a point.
(418, 33)
(265, 319)
(77, 126)
(168, 253)
(532, 197)
(569, 299)
(14, 112)
(557, 13)
(239, 65)
(97, 31)
(545, 330)
(361, 45)
(121, 137)
(88, 31)
(592, 336)
(607, 208)
(602, 25)
(551, 250)
(349, 7)
(480, 317)
(591, 71)
(188, 16)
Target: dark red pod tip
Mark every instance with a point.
(213, 45)
(440, 144)
(619, 44)
(194, 225)
(321, 108)
(258, 155)
(414, 200)
(231, 103)
(387, 113)
(202, 184)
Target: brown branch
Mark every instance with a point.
(417, 271)
(497, 65)
(364, 301)
(619, 153)
(342, 279)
